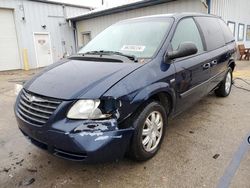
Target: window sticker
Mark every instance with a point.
(133, 48)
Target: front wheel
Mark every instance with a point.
(226, 85)
(149, 127)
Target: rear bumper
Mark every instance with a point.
(74, 140)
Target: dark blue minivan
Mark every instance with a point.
(115, 96)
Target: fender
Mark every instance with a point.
(153, 89)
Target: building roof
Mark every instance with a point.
(61, 3)
(117, 9)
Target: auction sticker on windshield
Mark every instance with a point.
(134, 48)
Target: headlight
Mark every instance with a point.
(86, 109)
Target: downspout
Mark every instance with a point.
(75, 36)
(209, 6)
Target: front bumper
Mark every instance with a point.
(87, 141)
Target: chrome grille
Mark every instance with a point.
(36, 109)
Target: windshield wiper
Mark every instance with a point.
(105, 52)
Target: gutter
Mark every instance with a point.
(118, 9)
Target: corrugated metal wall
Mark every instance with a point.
(74, 11)
(234, 11)
(37, 14)
(98, 24)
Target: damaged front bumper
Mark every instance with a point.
(80, 140)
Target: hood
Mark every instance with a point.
(74, 79)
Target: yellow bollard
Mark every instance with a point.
(25, 59)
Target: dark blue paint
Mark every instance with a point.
(183, 80)
(80, 78)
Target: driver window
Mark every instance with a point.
(187, 31)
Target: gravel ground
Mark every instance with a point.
(199, 146)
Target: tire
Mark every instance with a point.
(138, 151)
(226, 85)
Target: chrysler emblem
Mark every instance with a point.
(33, 98)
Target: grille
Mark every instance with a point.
(36, 109)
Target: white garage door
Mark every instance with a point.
(9, 56)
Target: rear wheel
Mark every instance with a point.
(225, 86)
(150, 127)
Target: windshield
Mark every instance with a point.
(140, 38)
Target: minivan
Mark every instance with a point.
(115, 96)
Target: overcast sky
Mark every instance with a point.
(97, 3)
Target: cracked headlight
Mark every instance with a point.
(86, 109)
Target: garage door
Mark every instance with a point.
(9, 56)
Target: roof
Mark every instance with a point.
(61, 3)
(117, 9)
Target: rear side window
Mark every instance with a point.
(212, 32)
(226, 31)
(187, 31)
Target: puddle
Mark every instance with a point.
(17, 81)
(11, 91)
(18, 88)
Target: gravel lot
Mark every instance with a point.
(200, 146)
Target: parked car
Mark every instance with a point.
(116, 95)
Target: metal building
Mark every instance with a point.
(35, 33)
(90, 24)
(237, 16)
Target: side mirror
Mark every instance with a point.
(184, 49)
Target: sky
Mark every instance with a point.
(97, 3)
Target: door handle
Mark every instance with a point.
(214, 62)
(206, 66)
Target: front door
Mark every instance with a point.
(43, 49)
(192, 72)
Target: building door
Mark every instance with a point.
(9, 53)
(43, 49)
(86, 37)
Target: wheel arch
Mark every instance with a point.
(161, 92)
(232, 64)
